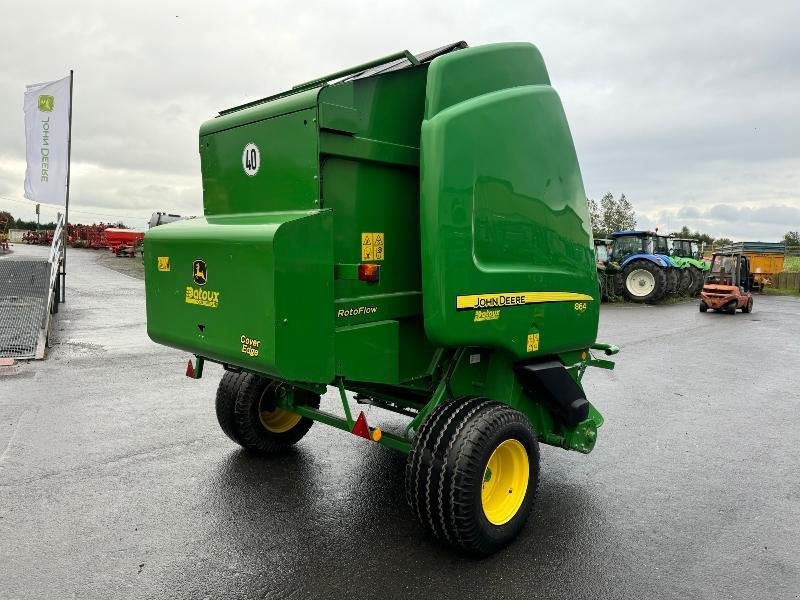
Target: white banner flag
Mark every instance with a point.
(46, 134)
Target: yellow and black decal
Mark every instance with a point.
(200, 272)
(506, 299)
(163, 263)
(200, 297)
(372, 246)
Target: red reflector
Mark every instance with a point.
(361, 429)
(369, 273)
(190, 370)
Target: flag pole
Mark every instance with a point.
(65, 232)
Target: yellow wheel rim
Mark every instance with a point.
(278, 420)
(505, 481)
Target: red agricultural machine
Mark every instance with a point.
(88, 236)
(123, 242)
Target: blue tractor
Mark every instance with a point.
(646, 271)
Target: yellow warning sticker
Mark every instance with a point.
(372, 246)
(163, 263)
(533, 342)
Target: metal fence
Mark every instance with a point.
(27, 295)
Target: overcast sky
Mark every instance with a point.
(692, 109)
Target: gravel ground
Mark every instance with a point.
(116, 482)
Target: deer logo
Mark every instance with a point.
(199, 272)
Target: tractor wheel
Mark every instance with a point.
(730, 308)
(617, 285)
(703, 306)
(684, 282)
(472, 474)
(248, 414)
(697, 280)
(748, 308)
(601, 284)
(672, 281)
(643, 281)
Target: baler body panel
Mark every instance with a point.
(288, 174)
(504, 221)
(262, 298)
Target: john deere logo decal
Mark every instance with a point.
(47, 103)
(199, 272)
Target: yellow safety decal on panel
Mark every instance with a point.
(533, 342)
(163, 263)
(503, 300)
(372, 246)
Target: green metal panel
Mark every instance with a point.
(264, 303)
(473, 72)
(368, 352)
(288, 174)
(505, 226)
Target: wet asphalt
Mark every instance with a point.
(116, 482)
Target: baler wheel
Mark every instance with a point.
(247, 413)
(227, 392)
(472, 474)
(748, 308)
(731, 307)
(703, 306)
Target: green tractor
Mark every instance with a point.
(689, 252)
(414, 231)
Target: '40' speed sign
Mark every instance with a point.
(251, 159)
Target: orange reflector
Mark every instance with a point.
(583, 355)
(377, 434)
(190, 370)
(370, 273)
(361, 429)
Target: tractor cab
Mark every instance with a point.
(728, 284)
(602, 251)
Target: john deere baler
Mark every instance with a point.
(413, 230)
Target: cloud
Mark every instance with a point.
(681, 106)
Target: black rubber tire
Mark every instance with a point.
(601, 284)
(703, 306)
(697, 280)
(227, 392)
(239, 397)
(748, 308)
(445, 473)
(658, 274)
(730, 308)
(684, 282)
(672, 281)
(617, 285)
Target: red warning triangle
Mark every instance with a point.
(361, 429)
(190, 370)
